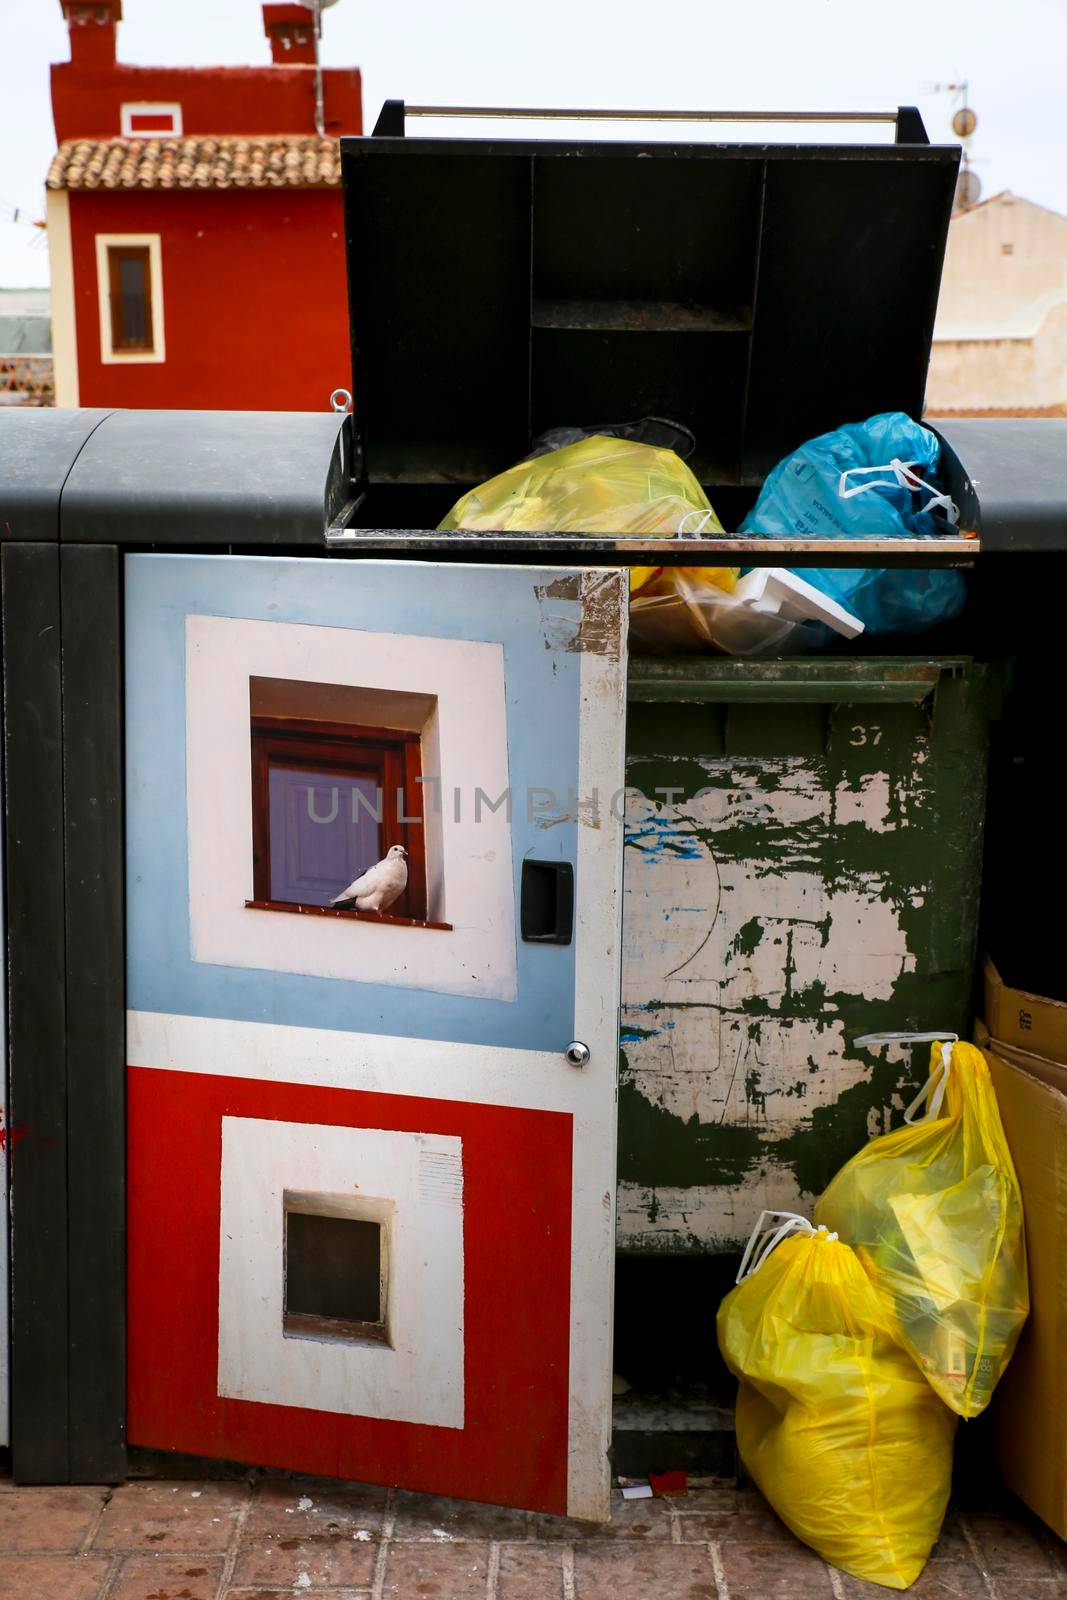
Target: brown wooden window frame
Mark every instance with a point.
(120, 344)
(392, 755)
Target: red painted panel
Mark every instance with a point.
(512, 1449)
(255, 304)
(151, 121)
(87, 98)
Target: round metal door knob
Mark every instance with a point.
(577, 1053)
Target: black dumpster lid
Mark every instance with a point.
(38, 448)
(208, 478)
(757, 293)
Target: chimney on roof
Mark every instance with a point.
(93, 26)
(291, 31)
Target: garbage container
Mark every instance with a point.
(192, 675)
(786, 886)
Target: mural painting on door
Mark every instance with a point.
(370, 1201)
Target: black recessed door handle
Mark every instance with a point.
(546, 902)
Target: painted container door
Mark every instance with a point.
(371, 1202)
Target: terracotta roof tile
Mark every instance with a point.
(229, 161)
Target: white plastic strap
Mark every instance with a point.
(687, 526)
(932, 1093)
(904, 477)
(763, 1239)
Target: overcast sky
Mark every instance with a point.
(754, 54)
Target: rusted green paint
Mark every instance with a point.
(919, 769)
(822, 680)
(659, 1149)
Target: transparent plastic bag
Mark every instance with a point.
(596, 485)
(834, 1421)
(769, 611)
(935, 1215)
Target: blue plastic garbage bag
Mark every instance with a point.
(867, 480)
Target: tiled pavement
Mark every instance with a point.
(270, 1538)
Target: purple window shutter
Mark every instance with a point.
(323, 833)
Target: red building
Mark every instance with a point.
(195, 223)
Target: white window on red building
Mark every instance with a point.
(151, 119)
(129, 281)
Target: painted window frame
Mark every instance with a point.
(462, 720)
(105, 243)
(348, 749)
(146, 108)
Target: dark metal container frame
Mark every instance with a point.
(77, 491)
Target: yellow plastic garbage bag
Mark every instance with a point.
(834, 1420)
(935, 1215)
(597, 485)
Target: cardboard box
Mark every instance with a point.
(1030, 1406)
(1024, 1021)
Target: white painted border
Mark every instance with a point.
(64, 315)
(531, 1079)
(479, 956)
(158, 353)
(597, 987)
(418, 1376)
(147, 108)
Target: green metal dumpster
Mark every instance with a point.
(804, 838)
(803, 856)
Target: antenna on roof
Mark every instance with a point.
(964, 122)
(317, 7)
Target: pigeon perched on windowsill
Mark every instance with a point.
(379, 886)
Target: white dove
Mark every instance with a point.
(379, 886)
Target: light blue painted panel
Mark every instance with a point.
(495, 605)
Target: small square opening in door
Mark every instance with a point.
(336, 1268)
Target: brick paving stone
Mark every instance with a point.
(165, 1541)
(288, 1594)
(642, 1571)
(756, 1522)
(744, 1527)
(170, 1516)
(649, 1520)
(47, 1519)
(948, 1581)
(952, 1546)
(54, 1577)
(436, 1572)
(530, 1572)
(788, 1572)
(1008, 1588)
(707, 1514)
(433, 1517)
(721, 1498)
(165, 1577)
(1018, 1545)
(304, 1506)
(328, 1558)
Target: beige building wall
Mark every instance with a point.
(1000, 340)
